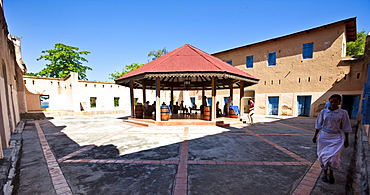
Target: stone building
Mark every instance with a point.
(12, 99)
(71, 97)
(298, 72)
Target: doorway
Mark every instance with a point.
(273, 105)
(303, 105)
(351, 103)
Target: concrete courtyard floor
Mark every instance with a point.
(104, 155)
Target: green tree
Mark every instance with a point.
(63, 60)
(128, 68)
(31, 74)
(158, 53)
(357, 47)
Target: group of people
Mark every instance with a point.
(149, 109)
(227, 106)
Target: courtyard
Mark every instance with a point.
(104, 155)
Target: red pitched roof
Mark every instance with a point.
(187, 59)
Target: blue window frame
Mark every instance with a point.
(229, 62)
(249, 62)
(272, 59)
(307, 51)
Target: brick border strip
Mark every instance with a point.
(309, 180)
(59, 182)
(181, 179)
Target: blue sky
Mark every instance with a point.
(120, 32)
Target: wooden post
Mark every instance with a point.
(144, 94)
(158, 100)
(204, 94)
(172, 97)
(213, 106)
(132, 99)
(231, 91)
(241, 106)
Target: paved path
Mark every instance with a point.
(103, 155)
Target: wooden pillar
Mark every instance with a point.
(241, 106)
(172, 97)
(158, 100)
(132, 99)
(144, 94)
(204, 100)
(231, 91)
(213, 106)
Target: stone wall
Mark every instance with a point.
(11, 85)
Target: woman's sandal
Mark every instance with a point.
(325, 179)
(331, 180)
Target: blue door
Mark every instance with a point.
(351, 104)
(304, 105)
(192, 101)
(209, 101)
(273, 105)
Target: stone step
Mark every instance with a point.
(136, 122)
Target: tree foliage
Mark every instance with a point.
(64, 59)
(357, 47)
(128, 68)
(31, 74)
(158, 53)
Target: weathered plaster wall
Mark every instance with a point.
(11, 92)
(328, 72)
(71, 94)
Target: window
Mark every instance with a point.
(307, 52)
(92, 102)
(116, 101)
(249, 62)
(229, 62)
(272, 59)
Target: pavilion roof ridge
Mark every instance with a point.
(203, 54)
(166, 57)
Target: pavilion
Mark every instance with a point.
(186, 68)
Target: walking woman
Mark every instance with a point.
(251, 110)
(333, 124)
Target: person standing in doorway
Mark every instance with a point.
(334, 125)
(228, 104)
(251, 110)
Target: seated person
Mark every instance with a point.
(218, 110)
(201, 109)
(185, 110)
(146, 108)
(176, 108)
